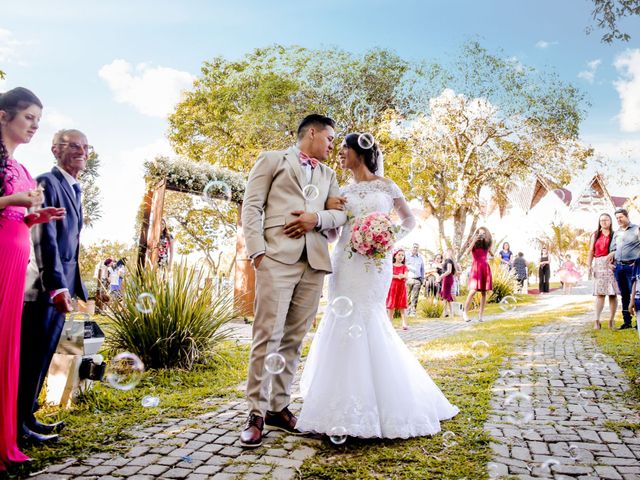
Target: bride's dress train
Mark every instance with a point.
(359, 376)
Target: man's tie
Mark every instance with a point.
(307, 160)
(78, 190)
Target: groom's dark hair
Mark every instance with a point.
(314, 120)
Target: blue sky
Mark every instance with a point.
(114, 68)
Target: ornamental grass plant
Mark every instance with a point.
(169, 321)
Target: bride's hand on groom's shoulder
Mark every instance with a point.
(335, 203)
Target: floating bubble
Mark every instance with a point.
(355, 331)
(508, 303)
(145, 303)
(124, 371)
(494, 470)
(548, 464)
(274, 363)
(560, 193)
(310, 192)
(583, 398)
(507, 373)
(363, 112)
(216, 190)
(480, 349)
(574, 452)
(366, 141)
(599, 358)
(150, 401)
(342, 306)
(524, 413)
(338, 435)
(448, 439)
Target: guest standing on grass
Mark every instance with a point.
(20, 112)
(625, 253)
(446, 279)
(522, 272)
(397, 296)
(601, 270)
(415, 277)
(480, 280)
(544, 271)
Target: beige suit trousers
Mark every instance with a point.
(286, 302)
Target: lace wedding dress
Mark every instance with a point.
(360, 377)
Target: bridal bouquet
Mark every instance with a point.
(372, 235)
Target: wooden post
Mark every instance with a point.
(244, 282)
(153, 205)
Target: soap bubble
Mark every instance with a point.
(508, 303)
(216, 190)
(274, 363)
(124, 371)
(145, 303)
(448, 439)
(523, 408)
(549, 463)
(366, 141)
(310, 192)
(355, 331)
(338, 435)
(342, 306)
(480, 349)
(150, 401)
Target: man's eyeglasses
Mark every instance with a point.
(78, 147)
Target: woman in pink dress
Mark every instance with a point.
(20, 112)
(480, 278)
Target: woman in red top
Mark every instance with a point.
(397, 296)
(480, 279)
(601, 269)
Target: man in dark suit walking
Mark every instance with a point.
(52, 281)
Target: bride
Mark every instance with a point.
(360, 379)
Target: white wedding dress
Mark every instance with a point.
(360, 378)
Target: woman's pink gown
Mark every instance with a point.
(480, 278)
(14, 257)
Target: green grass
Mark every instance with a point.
(99, 420)
(467, 383)
(624, 347)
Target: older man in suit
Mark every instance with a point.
(284, 217)
(53, 279)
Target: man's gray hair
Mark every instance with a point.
(60, 134)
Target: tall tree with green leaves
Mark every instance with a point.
(91, 201)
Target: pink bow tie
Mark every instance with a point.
(307, 160)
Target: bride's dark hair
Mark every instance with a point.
(370, 155)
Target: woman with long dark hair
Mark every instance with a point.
(604, 282)
(480, 279)
(20, 112)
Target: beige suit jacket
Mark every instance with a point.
(274, 190)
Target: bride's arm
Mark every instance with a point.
(407, 219)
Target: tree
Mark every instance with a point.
(239, 108)
(202, 226)
(607, 15)
(563, 238)
(467, 144)
(91, 201)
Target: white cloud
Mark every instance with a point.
(590, 73)
(628, 87)
(10, 47)
(545, 44)
(153, 91)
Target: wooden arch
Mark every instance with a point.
(185, 176)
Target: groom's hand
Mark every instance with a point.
(335, 203)
(301, 225)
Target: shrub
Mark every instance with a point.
(181, 327)
(430, 307)
(504, 283)
(92, 288)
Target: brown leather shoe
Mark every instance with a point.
(283, 420)
(251, 435)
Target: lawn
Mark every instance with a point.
(100, 419)
(467, 382)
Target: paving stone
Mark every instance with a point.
(154, 470)
(281, 473)
(607, 473)
(208, 469)
(177, 473)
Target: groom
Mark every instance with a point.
(284, 217)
